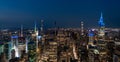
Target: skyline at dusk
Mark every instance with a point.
(66, 13)
(59, 30)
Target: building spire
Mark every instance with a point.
(35, 28)
(101, 15)
(21, 31)
(101, 26)
(100, 22)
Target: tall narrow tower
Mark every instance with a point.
(26, 46)
(101, 26)
(101, 39)
(91, 34)
(82, 28)
(36, 36)
(35, 28)
(21, 34)
(41, 27)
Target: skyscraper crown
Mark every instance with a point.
(100, 22)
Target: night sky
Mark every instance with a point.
(66, 13)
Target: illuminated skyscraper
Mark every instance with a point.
(36, 32)
(41, 36)
(101, 26)
(14, 40)
(26, 46)
(91, 35)
(50, 48)
(101, 39)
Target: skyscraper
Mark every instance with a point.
(14, 40)
(101, 26)
(101, 39)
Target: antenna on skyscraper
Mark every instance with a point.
(35, 28)
(21, 31)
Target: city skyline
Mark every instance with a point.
(66, 13)
(59, 31)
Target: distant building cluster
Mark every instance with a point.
(61, 44)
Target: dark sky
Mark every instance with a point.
(66, 13)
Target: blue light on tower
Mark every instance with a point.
(91, 33)
(100, 22)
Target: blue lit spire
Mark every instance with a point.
(100, 22)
